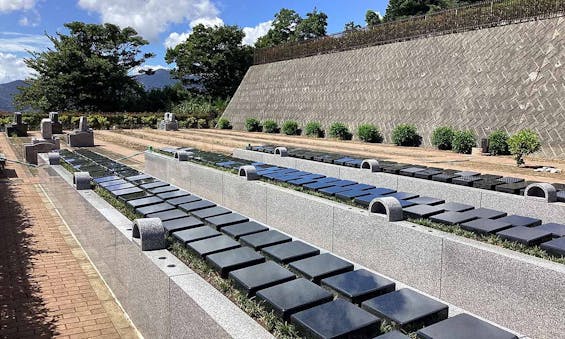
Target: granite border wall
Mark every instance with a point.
(440, 264)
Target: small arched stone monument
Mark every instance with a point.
(371, 164)
(150, 232)
(249, 172)
(541, 190)
(388, 206)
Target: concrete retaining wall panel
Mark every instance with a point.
(245, 197)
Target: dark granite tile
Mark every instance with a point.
(426, 201)
(290, 251)
(112, 183)
(466, 174)
(210, 212)
(227, 261)
(163, 189)
(485, 226)
(513, 188)
(421, 211)
(358, 286)
(154, 208)
(184, 200)
(168, 215)
(455, 207)
(321, 266)
(555, 246)
(127, 191)
(196, 205)
(443, 177)
(408, 309)
(195, 234)
(464, 326)
(402, 195)
(393, 335)
(154, 184)
(138, 177)
(452, 218)
(556, 230)
(226, 220)
(181, 224)
(485, 213)
(239, 230)
(427, 174)
(510, 180)
(518, 220)
(336, 319)
(253, 278)
(107, 178)
(465, 181)
(173, 194)
(135, 203)
(263, 239)
(337, 189)
(411, 171)
(119, 187)
(525, 235)
(212, 245)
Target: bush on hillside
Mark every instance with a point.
(498, 143)
(314, 129)
(442, 138)
(464, 141)
(270, 126)
(523, 143)
(290, 127)
(369, 133)
(406, 135)
(340, 131)
(253, 125)
(224, 123)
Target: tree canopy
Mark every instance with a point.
(398, 9)
(213, 57)
(289, 26)
(372, 18)
(85, 70)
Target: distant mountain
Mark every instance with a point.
(160, 79)
(7, 90)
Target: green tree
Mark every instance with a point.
(313, 26)
(282, 30)
(372, 18)
(214, 57)
(85, 70)
(351, 27)
(397, 9)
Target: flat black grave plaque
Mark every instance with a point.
(127, 191)
(350, 194)
(513, 188)
(394, 169)
(293, 296)
(427, 174)
(410, 171)
(163, 189)
(213, 245)
(119, 187)
(358, 286)
(112, 183)
(452, 218)
(518, 220)
(408, 309)
(510, 180)
(290, 251)
(422, 211)
(263, 239)
(210, 212)
(444, 177)
(556, 230)
(303, 181)
(173, 194)
(427, 201)
(485, 213)
(354, 163)
(258, 277)
(555, 246)
(144, 202)
(466, 174)
(168, 215)
(197, 205)
(138, 177)
(525, 235)
(321, 185)
(181, 224)
(184, 200)
(485, 226)
(321, 266)
(239, 230)
(196, 234)
(402, 195)
(336, 319)
(455, 207)
(336, 189)
(154, 184)
(154, 208)
(393, 335)
(465, 181)
(104, 179)
(226, 220)
(342, 161)
(464, 326)
(227, 261)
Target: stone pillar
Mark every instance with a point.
(46, 129)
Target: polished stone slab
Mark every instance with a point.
(290, 251)
(518, 220)
(427, 174)
(263, 239)
(410, 171)
(226, 220)
(464, 326)
(510, 180)
(443, 177)
(513, 188)
(127, 191)
(173, 194)
(336, 319)
(196, 205)
(154, 208)
(485, 213)
(138, 177)
(293, 296)
(525, 235)
(239, 230)
(325, 184)
(304, 180)
(181, 224)
(466, 174)
(253, 278)
(555, 246)
(556, 230)
(196, 234)
(455, 207)
(452, 218)
(321, 266)
(485, 226)
(393, 335)
(135, 203)
(351, 194)
(408, 309)
(119, 187)
(227, 261)
(168, 215)
(394, 168)
(210, 212)
(427, 201)
(358, 286)
(104, 179)
(337, 189)
(421, 211)
(465, 181)
(184, 200)
(163, 189)
(154, 184)
(402, 195)
(212, 245)
(112, 183)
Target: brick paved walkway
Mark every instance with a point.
(48, 288)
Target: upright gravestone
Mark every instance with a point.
(18, 127)
(169, 123)
(45, 144)
(83, 137)
(56, 126)
(46, 129)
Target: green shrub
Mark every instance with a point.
(224, 123)
(522, 143)
(270, 126)
(150, 120)
(202, 123)
(340, 131)
(253, 125)
(464, 141)
(406, 135)
(369, 133)
(442, 138)
(498, 143)
(314, 129)
(290, 127)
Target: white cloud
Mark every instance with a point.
(135, 70)
(19, 43)
(16, 5)
(150, 17)
(176, 38)
(254, 33)
(12, 68)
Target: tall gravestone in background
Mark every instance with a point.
(169, 123)
(56, 125)
(45, 144)
(83, 137)
(18, 127)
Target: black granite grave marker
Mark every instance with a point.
(210, 212)
(154, 184)
(168, 215)
(464, 326)
(485, 213)
(239, 230)
(227, 261)
(154, 208)
(258, 277)
(422, 211)
(555, 246)
(426, 201)
(181, 224)
(212, 245)
(196, 205)
(321, 266)
(195, 234)
(485, 226)
(173, 194)
(525, 235)
(184, 200)
(163, 189)
(144, 202)
(518, 220)
(290, 251)
(226, 220)
(263, 239)
(452, 218)
(455, 207)
(358, 286)
(556, 230)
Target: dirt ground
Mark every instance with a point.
(121, 143)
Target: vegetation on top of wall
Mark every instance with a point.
(498, 143)
(464, 141)
(253, 125)
(524, 142)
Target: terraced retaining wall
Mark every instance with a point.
(508, 78)
(512, 289)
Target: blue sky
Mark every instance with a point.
(163, 22)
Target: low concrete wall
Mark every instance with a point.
(515, 290)
(163, 301)
(510, 203)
